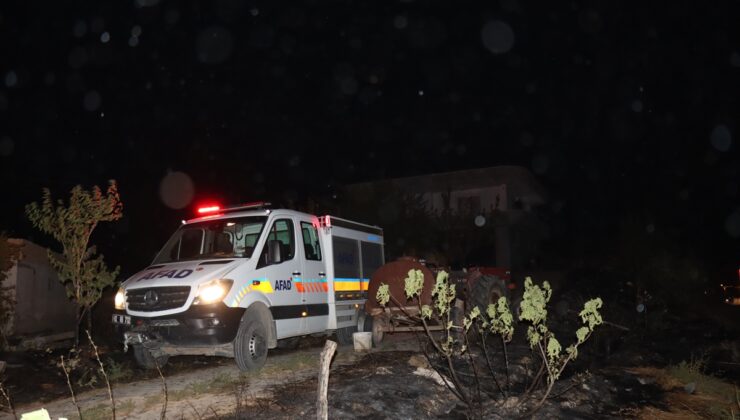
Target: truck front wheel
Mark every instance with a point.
(146, 360)
(250, 344)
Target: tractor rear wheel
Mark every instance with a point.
(378, 329)
(487, 290)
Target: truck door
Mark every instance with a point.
(281, 272)
(313, 285)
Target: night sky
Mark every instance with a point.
(626, 112)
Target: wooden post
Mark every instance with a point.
(322, 403)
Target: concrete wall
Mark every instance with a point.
(42, 306)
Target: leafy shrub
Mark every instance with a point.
(453, 345)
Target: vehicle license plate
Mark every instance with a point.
(121, 319)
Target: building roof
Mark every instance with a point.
(519, 181)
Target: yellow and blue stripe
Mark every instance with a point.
(255, 285)
(349, 284)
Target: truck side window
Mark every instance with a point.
(250, 241)
(282, 231)
(346, 258)
(372, 258)
(311, 241)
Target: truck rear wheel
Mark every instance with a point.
(344, 335)
(250, 344)
(487, 290)
(366, 322)
(146, 360)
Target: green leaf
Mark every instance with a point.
(572, 351)
(534, 302)
(553, 349)
(533, 336)
(443, 294)
(414, 283)
(471, 317)
(582, 333)
(383, 294)
(426, 312)
(590, 314)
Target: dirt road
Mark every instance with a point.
(203, 393)
(393, 382)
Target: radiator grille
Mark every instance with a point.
(153, 299)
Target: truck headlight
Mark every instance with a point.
(212, 291)
(120, 301)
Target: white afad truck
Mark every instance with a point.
(238, 281)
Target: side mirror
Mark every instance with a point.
(273, 252)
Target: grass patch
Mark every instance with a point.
(219, 383)
(155, 399)
(694, 371)
(117, 371)
(291, 364)
(125, 408)
(723, 400)
(238, 384)
(713, 398)
(100, 411)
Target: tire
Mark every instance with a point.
(367, 325)
(378, 333)
(457, 315)
(344, 335)
(487, 290)
(145, 360)
(250, 344)
(516, 307)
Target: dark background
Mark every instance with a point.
(626, 112)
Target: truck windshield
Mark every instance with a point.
(221, 238)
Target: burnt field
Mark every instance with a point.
(637, 365)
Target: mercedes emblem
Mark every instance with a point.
(151, 298)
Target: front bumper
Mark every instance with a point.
(199, 325)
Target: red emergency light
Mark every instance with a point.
(211, 208)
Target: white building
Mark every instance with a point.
(42, 312)
(509, 193)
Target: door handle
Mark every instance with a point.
(296, 273)
(322, 274)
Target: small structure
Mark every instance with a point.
(41, 313)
